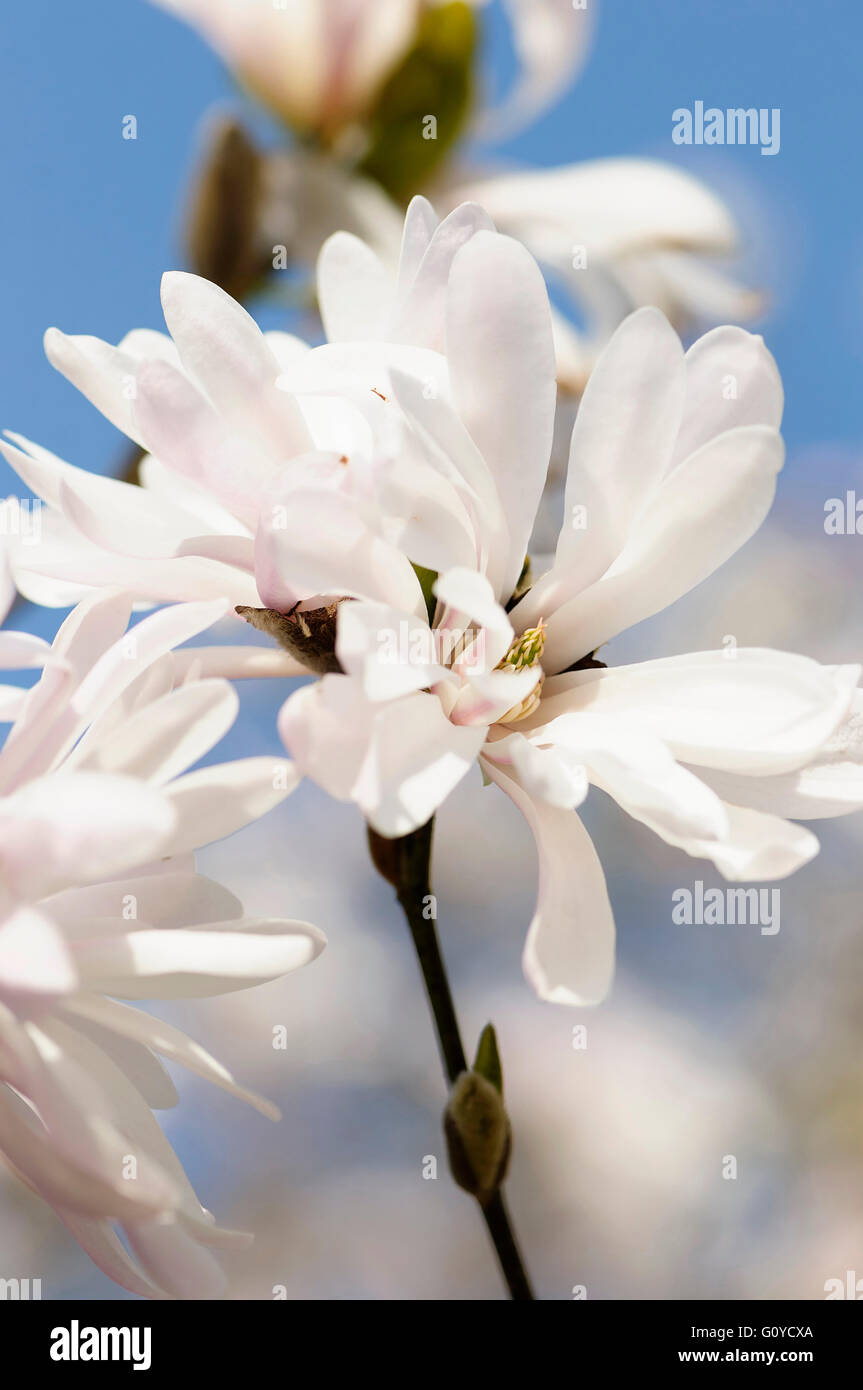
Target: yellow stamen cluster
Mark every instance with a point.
(525, 652)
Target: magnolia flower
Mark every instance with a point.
(318, 63)
(239, 425)
(321, 63)
(99, 897)
(672, 467)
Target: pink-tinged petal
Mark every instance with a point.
(319, 543)
(196, 962)
(91, 628)
(164, 738)
(71, 1127)
(420, 224)
(450, 449)
(501, 355)
(469, 605)
(189, 435)
(20, 651)
(99, 1240)
(703, 512)
(35, 964)
(223, 349)
(569, 953)
(171, 897)
(218, 800)
(754, 711)
(174, 1260)
(104, 374)
(486, 698)
(69, 1185)
(421, 314)
(72, 828)
(170, 1042)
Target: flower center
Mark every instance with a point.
(525, 653)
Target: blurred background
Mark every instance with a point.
(717, 1041)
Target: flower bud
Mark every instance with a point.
(478, 1135)
(223, 236)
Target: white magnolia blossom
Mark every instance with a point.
(321, 63)
(100, 901)
(418, 439)
(318, 63)
(239, 425)
(672, 467)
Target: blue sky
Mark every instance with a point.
(92, 219)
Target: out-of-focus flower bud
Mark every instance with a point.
(423, 107)
(223, 222)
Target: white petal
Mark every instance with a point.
(731, 380)
(167, 736)
(218, 800)
(757, 711)
(78, 827)
(544, 773)
(416, 758)
(757, 847)
(197, 962)
(34, 959)
(501, 354)
(830, 785)
(610, 207)
(635, 768)
(552, 39)
(104, 374)
(389, 653)
(355, 292)
(175, 1261)
(569, 953)
(162, 1037)
(320, 544)
(621, 446)
(421, 316)
(223, 349)
(703, 512)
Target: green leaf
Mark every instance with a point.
(427, 579)
(433, 84)
(487, 1062)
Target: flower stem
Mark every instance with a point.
(406, 864)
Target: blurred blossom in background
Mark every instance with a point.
(718, 1042)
